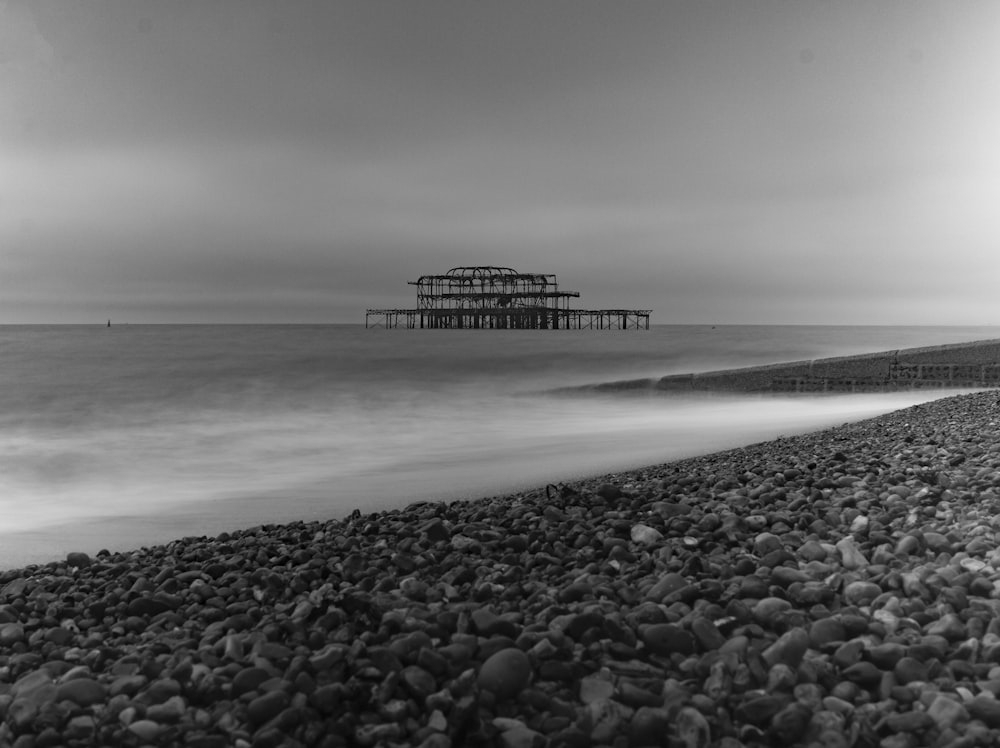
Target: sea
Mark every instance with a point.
(130, 435)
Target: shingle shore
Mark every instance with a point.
(834, 589)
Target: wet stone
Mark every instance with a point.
(505, 673)
(911, 721)
(648, 726)
(666, 585)
(985, 708)
(267, 706)
(768, 609)
(692, 728)
(78, 559)
(788, 726)
(595, 688)
(947, 712)
(667, 638)
(813, 550)
(788, 649)
(81, 691)
(851, 556)
(487, 623)
(862, 673)
(861, 593)
(707, 633)
(826, 631)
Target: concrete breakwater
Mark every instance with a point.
(960, 365)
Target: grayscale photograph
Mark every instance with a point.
(500, 373)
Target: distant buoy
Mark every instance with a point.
(109, 323)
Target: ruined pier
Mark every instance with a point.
(500, 298)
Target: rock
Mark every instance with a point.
(937, 543)
(909, 669)
(861, 593)
(786, 576)
(707, 634)
(788, 649)
(649, 725)
(780, 677)
(765, 543)
(790, 724)
(753, 586)
(29, 694)
(692, 728)
(436, 530)
(947, 712)
(862, 673)
(667, 638)
(909, 545)
(594, 688)
(851, 557)
(758, 708)
(79, 728)
(79, 559)
(10, 634)
(377, 734)
(911, 721)
(826, 631)
(505, 673)
(666, 585)
(520, 737)
(886, 656)
(146, 730)
(606, 718)
(170, 711)
(487, 623)
(949, 626)
(985, 708)
(266, 707)
(645, 535)
(81, 691)
(418, 682)
(609, 492)
(848, 653)
(813, 550)
(766, 610)
(248, 679)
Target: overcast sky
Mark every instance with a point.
(805, 161)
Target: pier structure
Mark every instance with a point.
(488, 297)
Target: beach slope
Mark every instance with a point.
(836, 588)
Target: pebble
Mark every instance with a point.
(82, 691)
(649, 725)
(78, 559)
(829, 590)
(692, 728)
(645, 535)
(667, 639)
(505, 673)
(788, 649)
(861, 592)
(947, 712)
(851, 557)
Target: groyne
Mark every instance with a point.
(960, 365)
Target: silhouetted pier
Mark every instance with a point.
(500, 298)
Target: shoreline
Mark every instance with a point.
(841, 585)
(44, 543)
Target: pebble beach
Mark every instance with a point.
(830, 590)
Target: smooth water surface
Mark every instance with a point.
(145, 433)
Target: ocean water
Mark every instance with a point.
(116, 437)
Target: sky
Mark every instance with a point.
(765, 161)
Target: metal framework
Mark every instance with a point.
(500, 298)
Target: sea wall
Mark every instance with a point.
(975, 364)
